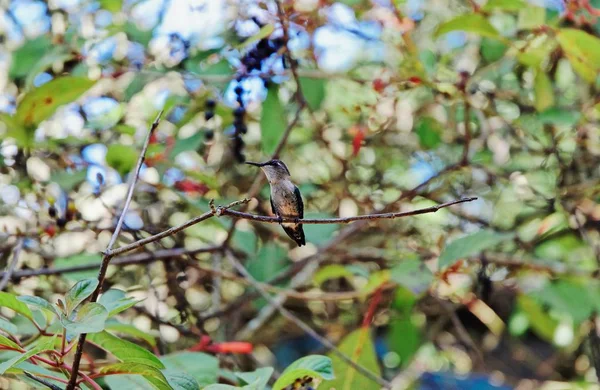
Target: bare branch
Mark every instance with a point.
(42, 381)
(302, 325)
(10, 269)
(261, 218)
(107, 255)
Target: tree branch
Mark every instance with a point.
(108, 255)
(42, 381)
(302, 325)
(261, 218)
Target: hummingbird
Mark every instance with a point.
(286, 200)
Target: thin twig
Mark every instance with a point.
(107, 255)
(138, 258)
(261, 218)
(10, 269)
(467, 119)
(302, 325)
(42, 381)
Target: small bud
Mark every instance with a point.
(210, 104)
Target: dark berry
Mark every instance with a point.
(242, 129)
(238, 90)
(239, 112)
(61, 222)
(208, 115)
(52, 211)
(209, 135)
(210, 104)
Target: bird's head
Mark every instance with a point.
(275, 170)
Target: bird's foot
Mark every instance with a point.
(280, 219)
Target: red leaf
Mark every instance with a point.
(357, 141)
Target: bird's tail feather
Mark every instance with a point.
(296, 233)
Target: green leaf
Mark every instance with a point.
(543, 91)
(313, 365)
(116, 301)
(471, 23)
(124, 350)
(413, 274)
(562, 295)
(319, 233)
(187, 144)
(43, 344)
(504, 5)
(150, 373)
(272, 120)
(180, 380)
(404, 338)
(111, 5)
(313, 90)
(541, 323)
(221, 68)
(80, 259)
(40, 103)
(203, 367)
(359, 346)
(120, 382)
(258, 378)
(14, 129)
(58, 54)
(531, 17)
(471, 245)
(264, 32)
(429, 132)
(10, 301)
(582, 50)
(79, 292)
(89, 318)
(559, 117)
(8, 327)
(121, 157)
(492, 50)
(37, 369)
(39, 303)
(25, 58)
(270, 260)
(6, 342)
(130, 330)
(68, 180)
(333, 271)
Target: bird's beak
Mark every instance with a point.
(256, 164)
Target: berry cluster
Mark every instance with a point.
(304, 383)
(253, 59)
(239, 125)
(71, 214)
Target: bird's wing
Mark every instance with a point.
(300, 203)
(273, 209)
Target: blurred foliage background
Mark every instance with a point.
(374, 106)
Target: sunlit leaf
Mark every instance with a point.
(8, 343)
(471, 23)
(43, 344)
(40, 103)
(25, 58)
(358, 345)
(313, 366)
(582, 50)
(125, 350)
(332, 271)
(131, 330)
(111, 5)
(259, 377)
(203, 367)
(121, 157)
(150, 373)
(264, 32)
(10, 301)
(429, 132)
(543, 91)
(504, 5)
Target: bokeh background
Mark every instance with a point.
(374, 106)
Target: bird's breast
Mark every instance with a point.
(284, 198)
